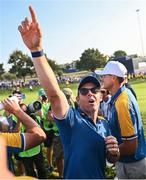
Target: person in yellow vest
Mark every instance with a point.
(33, 158)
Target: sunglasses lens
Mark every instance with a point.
(84, 91)
(95, 90)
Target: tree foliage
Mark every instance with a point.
(1, 70)
(91, 59)
(8, 76)
(119, 54)
(21, 64)
(56, 68)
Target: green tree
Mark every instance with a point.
(59, 73)
(2, 71)
(9, 76)
(91, 59)
(56, 68)
(21, 64)
(119, 54)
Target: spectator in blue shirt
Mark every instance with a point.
(125, 122)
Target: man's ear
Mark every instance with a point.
(114, 77)
(77, 99)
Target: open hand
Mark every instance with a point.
(31, 32)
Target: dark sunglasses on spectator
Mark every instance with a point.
(85, 91)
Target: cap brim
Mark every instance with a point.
(100, 72)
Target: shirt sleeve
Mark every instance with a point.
(15, 142)
(126, 117)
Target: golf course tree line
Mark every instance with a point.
(21, 64)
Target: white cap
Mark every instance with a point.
(114, 68)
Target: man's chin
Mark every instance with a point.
(91, 109)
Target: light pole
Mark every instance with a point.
(140, 32)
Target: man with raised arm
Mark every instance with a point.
(85, 136)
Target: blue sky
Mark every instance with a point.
(71, 26)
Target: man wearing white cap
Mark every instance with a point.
(125, 121)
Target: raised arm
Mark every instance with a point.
(32, 37)
(34, 134)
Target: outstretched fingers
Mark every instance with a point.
(34, 20)
(33, 14)
(25, 26)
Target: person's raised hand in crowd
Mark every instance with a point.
(11, 105)
(34, 135)
(31, 32)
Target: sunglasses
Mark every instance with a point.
(85, 91)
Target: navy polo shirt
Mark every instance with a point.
(84, 145)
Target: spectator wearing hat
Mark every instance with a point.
(126, 123)
(85, 137)
(70, 97)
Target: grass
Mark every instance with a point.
(140, 87)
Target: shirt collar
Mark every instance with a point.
(115, 96)
(86, 116)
